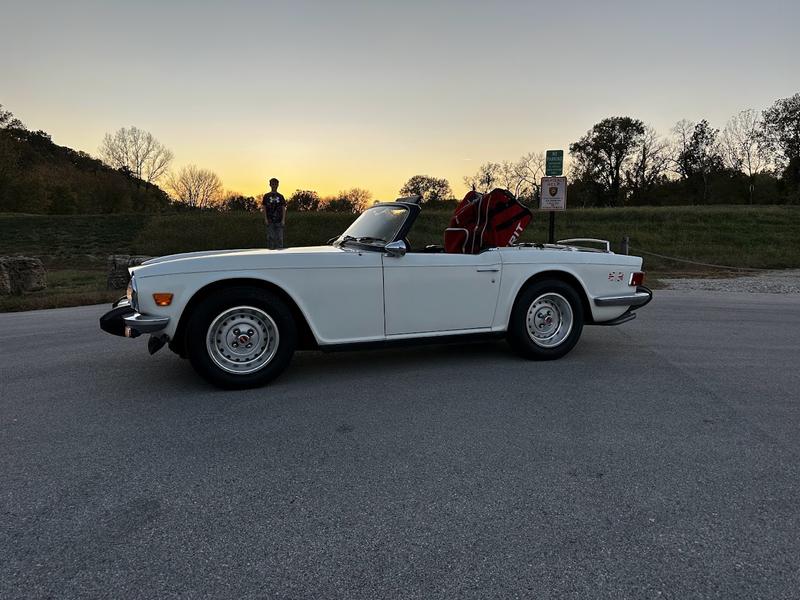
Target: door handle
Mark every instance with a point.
(488, 269)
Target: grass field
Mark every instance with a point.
(74, 248)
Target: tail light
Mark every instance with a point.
(637, 278)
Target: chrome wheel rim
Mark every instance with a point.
(549, 320)
(242, 340)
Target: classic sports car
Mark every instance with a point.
(239, 315)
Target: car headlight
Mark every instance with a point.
(132, 294)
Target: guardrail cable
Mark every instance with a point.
(694, 262)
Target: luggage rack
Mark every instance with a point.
(578, 243)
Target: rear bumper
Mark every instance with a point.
(642, 296)
(123, 321)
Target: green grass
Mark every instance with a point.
(65, 287)
(760, 237)
(74, 248)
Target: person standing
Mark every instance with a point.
(274, 206)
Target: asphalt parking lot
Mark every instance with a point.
(658, 460)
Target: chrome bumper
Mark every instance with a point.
(140, 323)
(122, 320)
(638, 299)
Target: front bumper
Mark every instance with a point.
(123, 321)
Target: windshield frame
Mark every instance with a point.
(412, 211)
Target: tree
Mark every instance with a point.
(529, 170)
(744, 148)
(235, 202)
(358, 197)
(353, 200)
(430, 189)
(781, 127)
(699, 153)
(485, 179)
(136, 151)
(603, 153)
(197, 188)
(649, 166)
(8, 120)
(781, 131)
(304, 200)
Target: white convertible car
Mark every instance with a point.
(239, 315)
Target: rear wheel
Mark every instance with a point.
(546, 321)
(241, 337)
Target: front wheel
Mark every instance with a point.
(241, 337)
(546, 321)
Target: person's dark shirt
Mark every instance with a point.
(273, 203)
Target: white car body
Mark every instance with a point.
(239, 315)
(349, 296)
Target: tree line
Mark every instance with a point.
(620, 161)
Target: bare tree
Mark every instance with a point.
(136, 151)
(681, 138)
(521, 177)
(507, 175)
(485, 179)
(650, 164)
(529, 170)
(744, 148)
(198, 188)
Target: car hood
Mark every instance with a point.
(233, 260)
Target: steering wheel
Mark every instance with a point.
(408, 244)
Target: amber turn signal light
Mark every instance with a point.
(162, 298)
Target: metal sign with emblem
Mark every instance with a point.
(553, 194)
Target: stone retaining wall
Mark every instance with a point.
(118, 269)
(21, 274)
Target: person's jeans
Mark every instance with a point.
(275, 236)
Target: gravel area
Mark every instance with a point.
(768, 282)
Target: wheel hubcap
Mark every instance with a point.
(242, 340)
(549, 320)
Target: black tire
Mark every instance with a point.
(545, 291)
(207, 312)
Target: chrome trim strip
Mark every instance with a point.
(635, 299)
(145, 323)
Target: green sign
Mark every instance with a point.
(554, 163)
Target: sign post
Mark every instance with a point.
(553, 191)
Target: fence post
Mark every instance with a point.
(626, 245)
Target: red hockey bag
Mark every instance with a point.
(483, 221)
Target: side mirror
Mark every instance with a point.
(396, 249)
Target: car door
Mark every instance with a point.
(430, 292)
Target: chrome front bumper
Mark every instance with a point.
(122, 320)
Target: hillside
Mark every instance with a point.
(39, 176)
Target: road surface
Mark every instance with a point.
(659, 459)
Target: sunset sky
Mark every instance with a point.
(332, 95)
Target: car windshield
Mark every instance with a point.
(376, 225)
